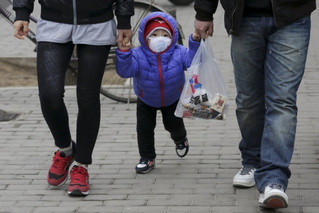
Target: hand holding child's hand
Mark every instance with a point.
(196, 36)
(123, 40)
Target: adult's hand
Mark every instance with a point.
(204, 28)
(21, 29)
(124, 37)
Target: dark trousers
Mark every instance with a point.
(146, 122)
(52, 61)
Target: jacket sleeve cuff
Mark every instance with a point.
(124, 22)
(122, 50)
(22, 14)
(203, 16)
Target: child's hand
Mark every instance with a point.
(123, 40)
(125, 45)
(196, 36)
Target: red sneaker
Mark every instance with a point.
(58, 172)
(79, 183)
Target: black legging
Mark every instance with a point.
(52, 61)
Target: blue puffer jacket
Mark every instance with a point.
(158, 78)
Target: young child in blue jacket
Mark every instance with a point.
(157, 67)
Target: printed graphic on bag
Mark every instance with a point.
(201, 104)
(204, 107)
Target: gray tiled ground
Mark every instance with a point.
(201, 182)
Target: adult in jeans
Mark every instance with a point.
(269, 49)
(89, 25)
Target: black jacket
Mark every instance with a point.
(78, 11)
(285, 12)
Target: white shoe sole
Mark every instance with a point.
(243, 185)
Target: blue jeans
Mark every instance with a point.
(268, 64)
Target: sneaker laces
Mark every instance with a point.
(145, 161)
(246, 170)
(59, 162)
(79, 173)
(276, 186)
(182, 146)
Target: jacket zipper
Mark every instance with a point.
(273, 11)
(231, 30)
(75, 22)
(160, 78)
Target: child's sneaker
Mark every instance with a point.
(145, 165)
(58, 172)
(79, 181)
(182, 148)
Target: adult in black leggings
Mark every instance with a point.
(51, 69)
(90, 25)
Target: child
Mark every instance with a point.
(157, 67)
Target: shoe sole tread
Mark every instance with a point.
(243, 185)
(78, 192)
(275, 202)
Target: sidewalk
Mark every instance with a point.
(201, 182)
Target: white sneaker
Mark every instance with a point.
(245, 177)
(273, 197)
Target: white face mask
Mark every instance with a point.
(159, 44)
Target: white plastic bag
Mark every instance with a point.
(204, 94)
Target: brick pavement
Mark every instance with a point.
(200, 182)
